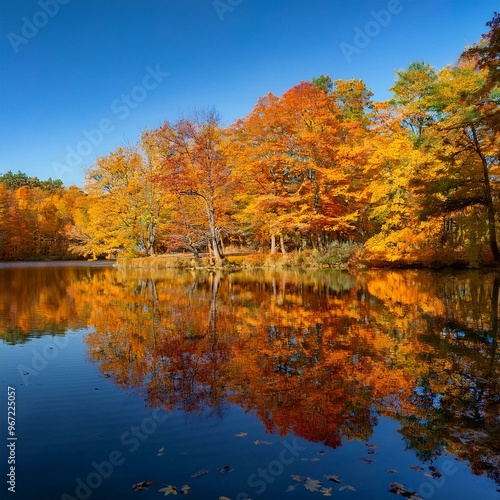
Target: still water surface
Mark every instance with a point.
(280, 385)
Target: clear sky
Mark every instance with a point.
(81, 77)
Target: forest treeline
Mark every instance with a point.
(414, 180)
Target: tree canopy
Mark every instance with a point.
(415, 179)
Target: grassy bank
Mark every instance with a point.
(337, 256)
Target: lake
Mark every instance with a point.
(262, 385)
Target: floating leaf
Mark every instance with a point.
(241, 434)
(314, 459)
(161, 450)
(417, 468)
(201, 472)
(257, 441)
(168, 490)
(322, 452)
(142, 486)
(392, 471)
(367, 460)
(224, 498)
(226, 468)
(299, 479)
(312, 484)
(398, 488)
(291, 488)
(327, 492)
(347, 487)
(435, 471)
(185, 489)
(331, 477)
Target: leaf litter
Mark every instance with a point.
(308, 482)
(142, 486)
(201, 472)
(226, 468)
(332, 477)
(169, 489)
(400, 489)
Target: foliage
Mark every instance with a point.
(414, 179)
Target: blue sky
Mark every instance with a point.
(80, 78)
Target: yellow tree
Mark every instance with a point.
(392, 165)
(124, 207)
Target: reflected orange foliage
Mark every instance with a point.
(322, 355)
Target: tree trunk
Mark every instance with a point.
(213, 237)
(489, 200)
(215, 250)
(273, 244)
(282, 245)
(196, 255)
(494, 318)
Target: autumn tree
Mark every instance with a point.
(414, 97)
(195, 171)
(35, 215)
(459, 183)
(124, 210)
(301, 170)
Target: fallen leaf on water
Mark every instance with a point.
(312, 484)
(392, 471)
(185, 489)
(169, 489)
(310, 459)
(257, 441)
(327, 492)
(367, 460)
(161, 450)
(321, 452)
(201, 472)
(299, 479)
(291, 488)
(241, 434)
(398, 488)
(142, 486)
(226, 468)
(369, 445)
(331, 477)
(417, 468)
(435, 471)
(347, 487)
(224, 498)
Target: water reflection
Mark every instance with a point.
(320, 355)
(37, 300)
